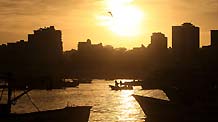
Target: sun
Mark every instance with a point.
(122, 18)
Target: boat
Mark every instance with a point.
(153, 107)
(158, 110)
(179, 96)
(70, 83)
(67, 114)
(132, 83)
(124, 87)
(83, 80)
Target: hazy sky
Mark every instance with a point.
(131, 24)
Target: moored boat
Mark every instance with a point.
(83, 80)
(70, 83)
(67, 114)
(167, 111)
(132, 83)
(153, 107)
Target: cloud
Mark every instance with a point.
(42, 7)
(19, 17)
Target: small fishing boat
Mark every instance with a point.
(124, 87)
(132, 83)
(70, 83)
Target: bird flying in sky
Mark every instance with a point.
(110, 13)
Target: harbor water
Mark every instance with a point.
(108, 105)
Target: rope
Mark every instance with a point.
(32, 102)
(15, 101)
(1, 94)
(14, 93)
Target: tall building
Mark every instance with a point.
(46, 41)
(158, 41)
(45, 50)
(185, 38)
(214, 38)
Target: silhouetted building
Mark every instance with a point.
(139, 48)
(19, 45)
(84, 45)
(214, 38)
(158, 41)
(88, 47)
(109, 47)
(46, 51)
(46, 41)
(185, 38)
(97, 46)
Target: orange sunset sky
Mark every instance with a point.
(120, 23)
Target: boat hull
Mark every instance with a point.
(120, 88)
(68, 114)
(158, 110)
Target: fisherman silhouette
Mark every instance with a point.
(116, 83)
(120, 83)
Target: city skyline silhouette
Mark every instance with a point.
(81, 20)
(43, 55)
(186, 73)
(109, 60)
(213, 36)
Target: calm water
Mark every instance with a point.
(108, 105)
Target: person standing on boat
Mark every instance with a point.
(116, 83)
(121, 83)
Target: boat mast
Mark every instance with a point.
(9, 93)
(9, 79)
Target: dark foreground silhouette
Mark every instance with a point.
(158, 110)
(67, 114)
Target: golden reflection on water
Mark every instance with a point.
(108, 105)
(127, 106)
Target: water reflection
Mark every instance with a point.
(108, 105)
(127, 107)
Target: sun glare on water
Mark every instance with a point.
(122, 18)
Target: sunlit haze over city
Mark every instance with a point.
(120, 23)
